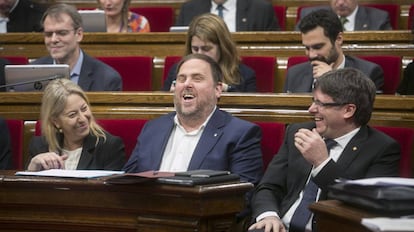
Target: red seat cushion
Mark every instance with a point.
(16, 137)
(272, 138)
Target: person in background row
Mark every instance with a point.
(239, 15)
(322, 36)
(6, 161)
(71, 138)
(209, 35)
(20, 16)
(120, 19)
(342, 105)
(355, 17)
(63, 34)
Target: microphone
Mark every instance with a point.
(37, 83)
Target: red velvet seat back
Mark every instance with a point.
(405, 137)
(161, 18)
(391, 65)
(17, 59)
(280, 12)
(169, 61)
(127, 129)
(136, 71)
(264, 66)
(16, 137)
(272, 138)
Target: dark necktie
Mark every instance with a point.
(220, 9)
(302, 214)
(343, 21)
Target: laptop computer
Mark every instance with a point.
(22, 78)
(93, 20)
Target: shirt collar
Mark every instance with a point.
(177, 122)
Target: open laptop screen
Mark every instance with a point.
(93, 20)
(20, 78)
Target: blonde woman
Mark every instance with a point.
(120, 19)
(71, 138)
(209, 35)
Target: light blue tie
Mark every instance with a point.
(220, 9)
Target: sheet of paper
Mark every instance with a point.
(382, 224)
(71, 173)
(384, 181)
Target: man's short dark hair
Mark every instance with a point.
(214, 66)
(350, 86)
(327, 19)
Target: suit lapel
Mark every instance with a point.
(361, 20)
(241, 15)
(211, 135)
(86, 71)
(160, 142)
(352, 149)
(86, 157)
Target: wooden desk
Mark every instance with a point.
(336, 216)
(66, 204)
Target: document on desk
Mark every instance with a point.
(383, 181)
(70, 173)
(382, 224)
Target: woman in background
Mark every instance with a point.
(120, 19)
(208, 34)
(71, 138)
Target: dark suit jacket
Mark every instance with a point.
(406, 86)
(227, 143)
(106, 155)
(366, 18)
(6, 161)
(299, 78)
(369, 153)
(247, 84)
(26, 17)
(94, 76)
(251, 15)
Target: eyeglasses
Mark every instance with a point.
(59, 33)
(327, 104)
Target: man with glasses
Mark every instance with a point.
(342, 105)
(322, 36)
(63, 33)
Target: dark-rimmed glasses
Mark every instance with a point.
(327, 104)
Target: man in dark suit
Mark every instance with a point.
(342, 105)
(356, 17)
(199, 135)
(63, 34)
(21, 15)
(322, 36)
(239, 15)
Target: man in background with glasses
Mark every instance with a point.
(342, 105)
(63, 33)
(322, 36)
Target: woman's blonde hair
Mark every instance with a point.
(124, 12)
(212, 28)
(54, 100)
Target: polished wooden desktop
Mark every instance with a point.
(333, 215)
(30, 203)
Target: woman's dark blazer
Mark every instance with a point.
(106, 155)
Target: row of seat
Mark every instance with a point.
(161, 18)
(137, 71)
(272, 138)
